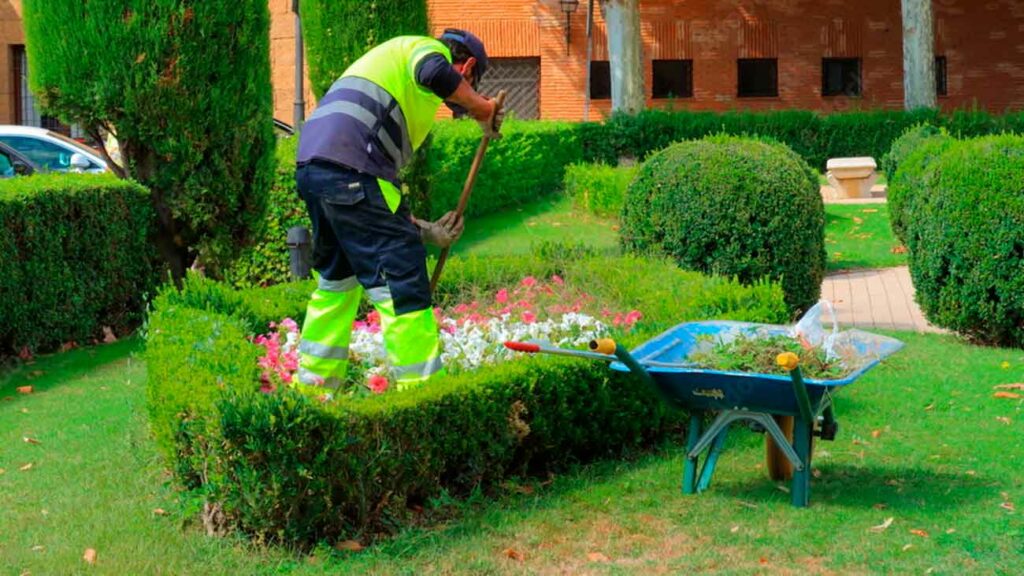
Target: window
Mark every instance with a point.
(673, 78)
(520, 78)
(840, 77)
(600, 80)
(941, 80)
(46, 155)
(6, 165)
(758, 77)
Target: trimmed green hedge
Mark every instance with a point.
(338, 33)
(598, 188)
(76, 258)
(527, 162)
(905, 166)
(965, 232)
(732, 206)
(284, 468)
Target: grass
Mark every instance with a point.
(859, 236)
(922, 441)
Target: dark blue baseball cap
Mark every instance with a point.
(473, 44)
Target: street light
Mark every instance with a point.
(569, 7)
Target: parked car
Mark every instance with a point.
(14, 163)
(50, 151)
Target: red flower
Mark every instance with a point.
(557, 280)
(377, 384)
(529, 281)
(529, 317)
(501, 296)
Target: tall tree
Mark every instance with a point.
(625, 54)
(918, 55)
(185, 86)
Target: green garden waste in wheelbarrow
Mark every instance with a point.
(803, 407)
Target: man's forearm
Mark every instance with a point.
(480, 108)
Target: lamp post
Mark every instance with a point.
(569, 8)
(300, 90)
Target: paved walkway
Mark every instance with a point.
(879, 298)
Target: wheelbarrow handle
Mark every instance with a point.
(791, 363)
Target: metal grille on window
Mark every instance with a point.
(520, 77)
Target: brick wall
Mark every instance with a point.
(282, 62)
(982, 41)
(11, 35)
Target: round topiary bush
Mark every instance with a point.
(922, 143)
(966, 240)
(732, 206)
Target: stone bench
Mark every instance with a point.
(852, 177)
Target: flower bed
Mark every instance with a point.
(284, 467)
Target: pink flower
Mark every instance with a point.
(289, 325)
(373, 318)
(618, 319)
(268, 388)
(529, 281)
(502, 296)
(633, 317)
(461, 309)
(523, 304)
(558, 280)
(529, 317)
(377, 384)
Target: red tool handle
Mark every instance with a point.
(522, 347)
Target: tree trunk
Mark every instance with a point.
(918, 55)
(624, 53)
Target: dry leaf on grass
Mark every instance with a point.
(919, 532)
(1010, 395)
(24, 410)
(2, 471)
(1014, 386)
(38, 548)
(24, 389)
(901, 249)
(597, 557)
(159, 512)
(26, 467)
(514, 554)
(869, 210)
(348, 546)
(1003, 419)
(29, 440)
(951, 530)
(89, 556)
(930, 406)
(1008, 506)
(907, 547)
(1005, 365)
(876, 433)
(734, 529)
(883, 526)
(880, 506)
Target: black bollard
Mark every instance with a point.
(299, 251)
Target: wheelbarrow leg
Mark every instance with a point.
(690, 467)
(801, 490)
(711, 461)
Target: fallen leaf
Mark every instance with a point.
(29, 440)
(901, 249)
(1010, 395)
(880, 506)
(26, 467)
(38, 548)
(763, 561)
(68, 346)
(597, 557)
(1014, 386)
(1003, 419)
(1008, 506)
(883, 526)
(951, 530)
(859, 442)
(876, 433)
(869, 210)
(159, 512)
(108, 335)
(747, 504)
(24, 389)
(89, 556)
(782, 488)
(970, 473)
(514, 554)
(348, 546)
(735, 529)
(930, 406)
(1005, 365)
(24, 410)
(908, 547)
(140, 58)
(930, 570)
(919, 532)
(857, 220)
(2, 471)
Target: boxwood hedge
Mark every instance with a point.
(905, 165)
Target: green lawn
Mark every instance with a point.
(922, 440)
(859, 236)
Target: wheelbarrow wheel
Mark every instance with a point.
(779, 467)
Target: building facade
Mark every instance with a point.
(822, 55)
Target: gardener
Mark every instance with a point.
(364, 130)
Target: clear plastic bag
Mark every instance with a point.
(812, 331)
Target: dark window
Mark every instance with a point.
(520, 79)
(840, 77)
(941, 84)
(600, 80)
(673, 78)
(758, 77)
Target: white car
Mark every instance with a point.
(51, 151)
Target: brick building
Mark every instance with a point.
(698, 54)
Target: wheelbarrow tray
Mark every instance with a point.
(695, 388)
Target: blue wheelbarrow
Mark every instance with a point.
(789, 408)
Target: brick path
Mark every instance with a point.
(881, 298)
